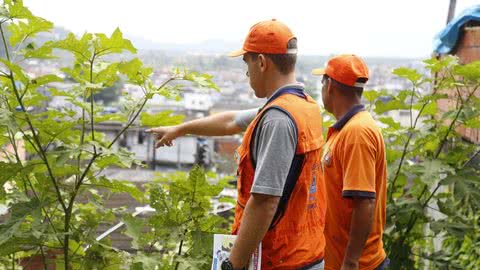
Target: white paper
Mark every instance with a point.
(222, 245)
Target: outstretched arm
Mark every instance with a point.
(219, 124)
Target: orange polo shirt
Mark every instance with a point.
(354, 165)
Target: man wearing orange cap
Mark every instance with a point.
(281, 201)
(355, 172)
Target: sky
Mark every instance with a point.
(370, 28)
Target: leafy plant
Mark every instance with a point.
(432, 211)
(52, 196)
(179, 235)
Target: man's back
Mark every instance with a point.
(355, 166)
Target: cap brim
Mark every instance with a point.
(237, 53)
(318, 71)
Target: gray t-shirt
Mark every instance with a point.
(273, 149)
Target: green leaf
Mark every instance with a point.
(107, 76)
(42, 52)
(19, 212)
(430, 108)
(115, 44)
(432, 170)
(371, 95)
(437, 64)
(164, 118)
(382, 107)
(21, 31)
(135, 71)
(118, 186)
(113, 117)
(390, 122)
(78, 47)
(122, 159)
(144, 262)
(201, 80)
(408, 73)
(16, 70)
(46, 79)
(9, 171)
(79, 73)
(469, 72)
(16, 10)
(134, 229)
(472, 123)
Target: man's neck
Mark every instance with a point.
(280, 81)
(342, 108)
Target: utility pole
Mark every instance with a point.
(451, 10)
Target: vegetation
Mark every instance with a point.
(53, 190)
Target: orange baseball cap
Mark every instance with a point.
(269, 37)
(346, 69)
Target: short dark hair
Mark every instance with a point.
(285, 63)
(347, 89)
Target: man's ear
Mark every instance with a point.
(330, 87)
(262, 62)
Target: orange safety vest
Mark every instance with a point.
(295, 238)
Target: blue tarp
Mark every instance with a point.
(446, 40)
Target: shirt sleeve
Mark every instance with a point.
(358, 159)
(274, 149)
(245, 117)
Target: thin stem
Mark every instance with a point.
(47, 216)
(411, 106)
(82, 138)
(66, 240)
(35, 137)
(470, 159)
(405, 147)
(450, 128)
(14, 144)
(136, 115)
(45, 266)
(92, 101)
(4, 42)
(191, 218)
(414, 217)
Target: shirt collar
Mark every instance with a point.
(296, 85)
(353, 111)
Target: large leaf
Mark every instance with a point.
(136, 72)
(164, 118)
(408, 73)
(107, 76)
(201, 80)
(17, 71)
(394, 104)
(134, 229)
(437, 64)
(118, 186)
(371, 95)
(470, 71)
(16, 10)
(45, 79)
(79, 47)
(390, 122)
(429, 109)
(42, 52)
(21, 30)
(9, 171)
(115, 44)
